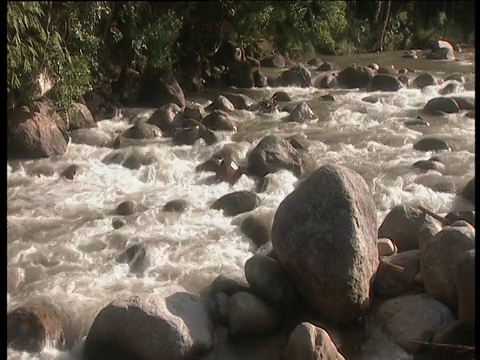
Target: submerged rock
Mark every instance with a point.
(431, 144)
(237, 202)
(257, 229)
(178, 206)
(126, 208)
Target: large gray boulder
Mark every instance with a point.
(385, 82)
(440, 105)
(409, 319)
(296, 76)
(355, 76)
(160, 88)
(221, 103)
(81, 117)
(308, 342)
(468, 192)
(439, 259)
(273, 154)
(171, 324)
(325, 236)
(237, 202)
(301, 113)
(424, 79)
(92, 137)
(464, 276)
(164, 116)
(240, 75)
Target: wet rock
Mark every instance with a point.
(81, 117)
(450, 88)
(468, 192)
(190, 135)
(428, 231)
(100, 105)
(456, 77)
(373, 66)
(308, 342)
(386, 247)
(442, 54)
(404, 80)
(164, 116)
(416, 122)
(276, 60)
(254, 62)
(178, 206)
(424, 79)
(331, 265)
(412, 318)
(211, 165)
(410, 54)
(326, 66)
(33, 133)
(240, 75)
(91, 137)
(221, 103)
(314, 62)
(257, 229)
(218, 306)
(259, 79)
(195, 112)
(464, 276)
(43, 170)
(470, 114)
(273, 154)
(439, 259)
(326, 82)
(269, 281)
(431, 144)
(237, 202)
(240, 101)
(229, 170)
(262, 184)
(390, 70)
(219, 120)
(372, 99)
(455, 334)
(170, 324)
(70, 172)
(136, 160)
(402, 225)
(142, 131)
(281, 96)
(228, 285)
(440, 105)
(127, 86)
(355, 76)
(118, 223)
(126, 208)
(251, 316)
(268, 106)
(36, 324)
(467, 215)
(296, 76)
(327, 97)
(159, 88)
(429, 165)
(134, 256)
(301, 113)
(385, 82)
(464, 102)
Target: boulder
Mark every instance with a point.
(118, 223)
(385, 82)
(36, 324)
(92, 137)
(221, 103)
(404, 80)
(431, 144)
(134, 256)
(178, 206)
(219, 120)
(275, 60)
(281, 96)
(273, 154)
(270, 282)
(190, 135)
(411, 318)
(70, 172)
(81, 117)
(229, 170)
(439, 105)
(326, 66)
(250, 316)
(240, 101)
(127, 86)
(33, 133)
(240, 75)
(100, 105)
(237, 202)
(410, 54)
(450, 88)
(135, 160)
(259, 79)
(402, 225)
(301, 113)
(314, 62)
(355, 76)
(126, 208)
(326, 82)
(218, 306)
(429, 165)
(373, 66)
(160, 88)
(142, 131)
(467, 215)
(464, 276)
(42, 170)
(257, 229)
(332, 265)
(455, 334)
(308, 342)
(195, 112)
(228, 285)
(327, 97)
(424, 79)
(468, 192)
(456, 77)
(427, 232)
(396, 273)
(170, 324)
(442, 50)
(464, 102)
(164, 117)
(386, 247)
(439, 259)
(296, 76)
(254, 62)
(387, 70)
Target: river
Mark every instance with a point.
(61, 243)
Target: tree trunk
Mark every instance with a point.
(387, 17)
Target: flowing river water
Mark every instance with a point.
(61, 244)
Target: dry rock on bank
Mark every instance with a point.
(171, 324)
(36, 131)
(324, 234)
(308, 342)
